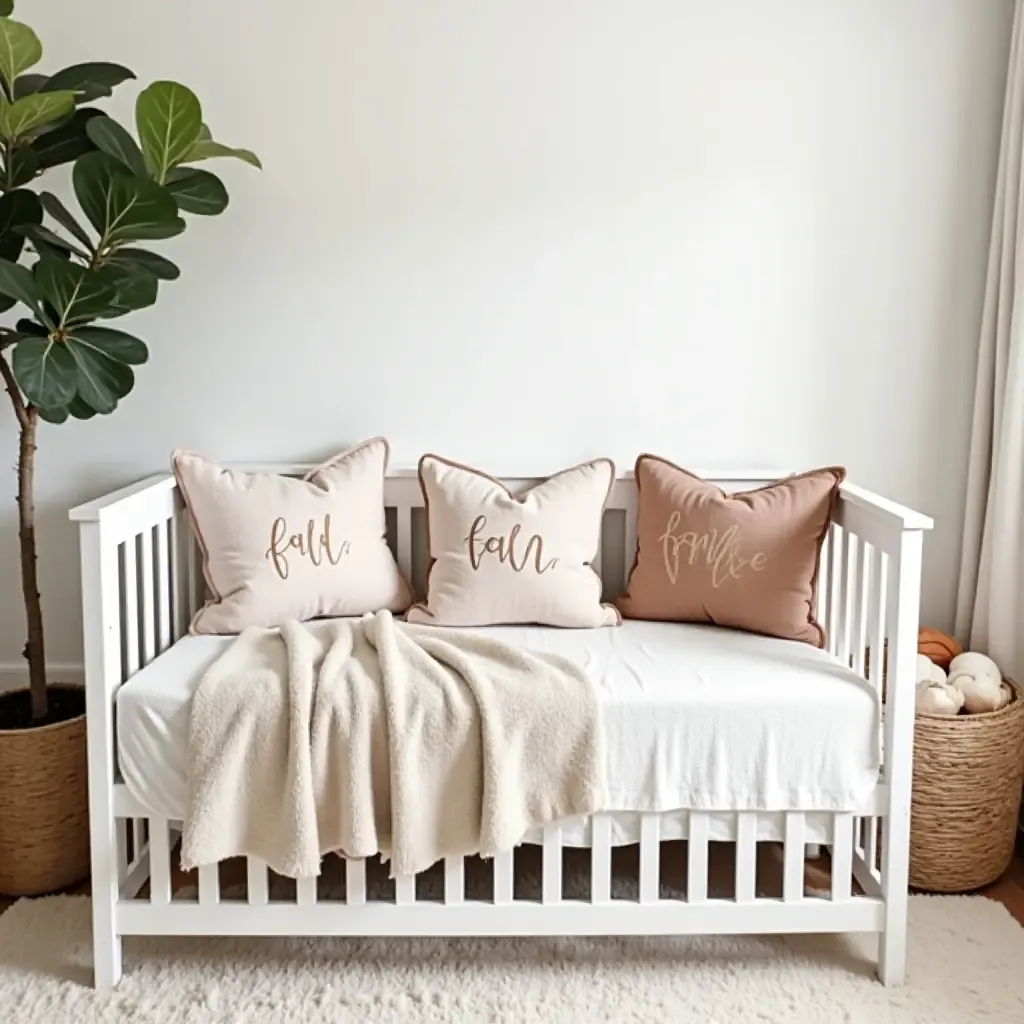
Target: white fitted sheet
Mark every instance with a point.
(695, 718)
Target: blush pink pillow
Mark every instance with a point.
(276, 548)
(748, 560)
(498, 558)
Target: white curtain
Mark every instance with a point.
(990, 614)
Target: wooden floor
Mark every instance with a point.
(1009, 890)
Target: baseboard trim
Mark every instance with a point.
(14, 675)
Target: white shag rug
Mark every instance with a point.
(966, 965)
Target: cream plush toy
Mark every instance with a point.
(978, 678)
(928, 671)
(937, 698)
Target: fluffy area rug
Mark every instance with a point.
(966, 965)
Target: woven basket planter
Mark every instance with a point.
(44, 808)
(968, 772)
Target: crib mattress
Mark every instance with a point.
(695, 718)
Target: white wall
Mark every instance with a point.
(735, 233)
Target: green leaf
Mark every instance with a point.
(47, 241)
(25, 85)
(6, 8)
(80, 410)
(143, 260)
(113, 344)
(17, 283)
(17, 119)
(169, 120)
(78, 295)
(26, 326)
(103, 373)
(45, 371)
(20, 49)
(58, 415)
(63, 216)
(63, 144)
(24, 166)
(120, 206)
(207, 149)
(197, 191)
(89, 81)
(17, 209)
(111, 138)
(133, 289)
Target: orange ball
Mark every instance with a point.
(937, 646)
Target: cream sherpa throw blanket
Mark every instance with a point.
(370, 736)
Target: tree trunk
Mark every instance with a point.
(34, 649)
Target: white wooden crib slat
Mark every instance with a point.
(842, 856)
(793, 855)
(165, 610)
(138, 838)
(256, 881)
(305, 891)
(147, 602)
(861, 594)
(697, 859)
(601, 859)
(405, 890)
(649, 857)
(178, 537)
(871, 845)
(122, 850)
(826, 588)
(746, 856)
(159, 862)
(844, 585)
(355, 882)
(131, 610)
(454, 881)
(551, 865)
(876, 668)
(209, 885)
(504, 869)
(404, 540)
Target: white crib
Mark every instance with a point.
(141, 580)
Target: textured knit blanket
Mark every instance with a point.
(370, 736)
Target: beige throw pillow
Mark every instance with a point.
(499, 558)
(277, 548)
(747, 560)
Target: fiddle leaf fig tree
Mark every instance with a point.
(71, 274)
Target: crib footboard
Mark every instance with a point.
(141, 581)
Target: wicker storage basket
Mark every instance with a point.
(968, 771)
(44, 808)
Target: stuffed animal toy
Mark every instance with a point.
(938, 698)
(928, 671)
(978, 678)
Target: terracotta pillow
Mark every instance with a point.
(747, 560)
(277, 548)
(498, 558)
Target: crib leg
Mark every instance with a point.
(106, 955)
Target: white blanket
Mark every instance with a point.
(372, 736)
